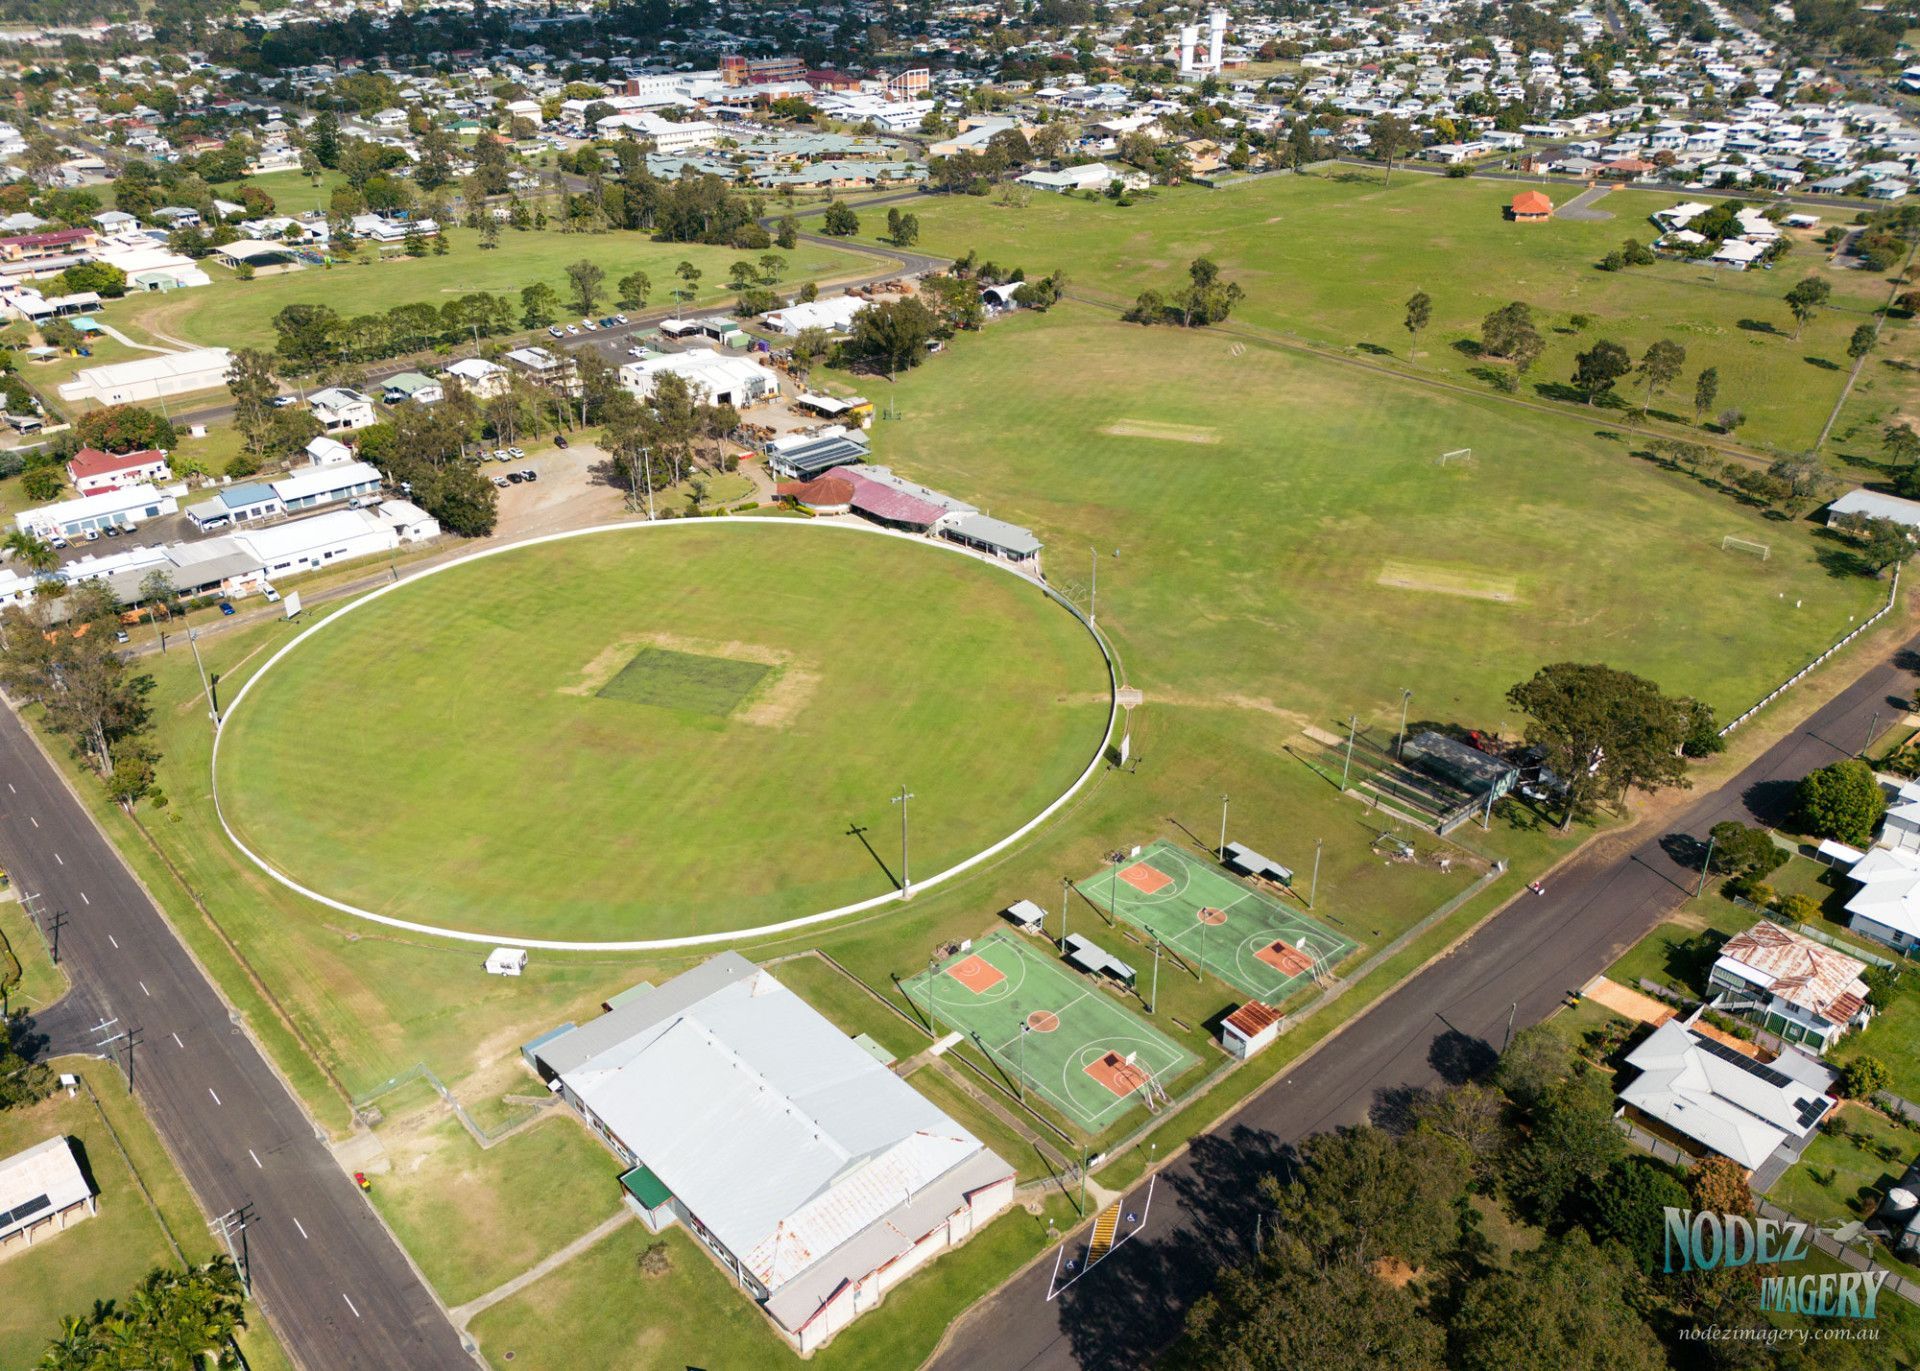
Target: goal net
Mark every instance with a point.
(1460, 456)
(1746, 545)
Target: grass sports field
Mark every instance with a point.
(1072, 1045)
(1208, 918)
(231, 308)
(665, 731)
(1333, 258)
(1310, 561)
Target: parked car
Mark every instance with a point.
(119, 635)
(515, 477)
(226, 607)
(588, 325)
(92, 535)
(112, 530)
(57, 543)
(501, 481)
(516, 453)
(555, 331)
(636, 351)
(620, 318)
(273, 596)
(282, 401)
(610, 321)
(573, 330)
(499, 454)
(559, 440)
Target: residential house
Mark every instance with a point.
(1794, 987)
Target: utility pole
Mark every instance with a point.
(1353, 722)
(646, 461)
(1223, 828)
(213, 711)
(1406, 697)
(227, 1226)
(1872, 724)
(1706, 865)
(1508, 1040)
(1313, 887)
(133, 1041)
(933, 977)
(906, 880)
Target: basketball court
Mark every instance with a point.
(1239, 934)
(1045, 1026)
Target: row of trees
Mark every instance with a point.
(175, 1321)
(1208, 298)
(1377, 1252)
(309, 337)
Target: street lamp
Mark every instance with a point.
(1406, 697)
(906, 879)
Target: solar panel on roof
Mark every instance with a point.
(1811, 1112)
(8, 1218)
(1744, 1062)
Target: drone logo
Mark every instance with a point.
(1706, 1241)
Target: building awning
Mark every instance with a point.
(645, 1187)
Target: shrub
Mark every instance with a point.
(1864, 1077)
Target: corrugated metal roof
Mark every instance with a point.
(1800, 971)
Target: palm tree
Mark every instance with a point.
(37, 554)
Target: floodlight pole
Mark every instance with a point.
(193, 638)
(1406, 697)
(1152, 1008)
(1706, 865)
(933, 978)
(1223, 828)
(1093, 592)
(1313, 887)
(906, 879)
(1066, 896)
(646, 462)
(1025, 1028)
(1353, 721)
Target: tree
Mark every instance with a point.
(1718, 1185)
(22, 1081)
(251, 381)
(1602, 731)
(539, 305)
(1388, 137)
(37, 555)
(1629, 1205)
(903, 229)
(1881, 543)
(1419, 314)
(1841, 800)
(1567, 1304)
(891, 335)
(1741, 850)
(125, 428)
(1596, 369)
(1502, 330)
(79, 681)
(840, 221)
(585, 277)
(1535, 1062)
(1661, 366)
(689, 276)
(633, 289)
(1706, 389)
(176, 1320)
(42, 484)
(1207, 299)
(1864, 1077)
(1569, 1143)
(1286, 1312)
(1805, 300)
(1862, 342)
(307, 336)
(1902, 444)
(787, 233)
(1361, 1194)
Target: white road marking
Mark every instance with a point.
(176, 1041)
(302, 1228)
(58, 858)
(349, 1299)
(10, 789)
(256, 1158)
(115, 941)
(84, 899)
(35, 822)
(143, 989)
(216, 1098)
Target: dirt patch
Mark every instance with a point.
(772, 705)
(1168, 433)
(1448, 580)
(1256, 704)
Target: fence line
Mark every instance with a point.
(422, 1072)
(1893, 592)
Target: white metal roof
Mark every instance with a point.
(281, 541)
(42, 1180)
(324, 479)
(1733, 1109)
(779, 1132)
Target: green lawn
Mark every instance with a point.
(41, 983)
(1837, 1180)
(1332, 258)
(231, 312)
(475, 1218)
(519, 773)
(1286, 541)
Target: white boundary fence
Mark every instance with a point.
(691, 940)
(1892, 593)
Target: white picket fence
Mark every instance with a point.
(1791, 681)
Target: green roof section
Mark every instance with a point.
(646, 1187)
(874, 1049)
(632, 992)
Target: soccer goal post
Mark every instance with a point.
(1459, 456)
(1746, 545)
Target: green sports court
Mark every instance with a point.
(1241, 935)
(1041, 1023)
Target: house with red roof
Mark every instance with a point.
(1530, 207)
(93, 471)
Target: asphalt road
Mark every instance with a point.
(1446, 1024)
(332, 1279)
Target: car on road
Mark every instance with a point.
(282, 401)
(555, 331)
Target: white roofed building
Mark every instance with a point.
(816, 1175)
(1723, 1100)
(714, 377)
(42, 1190)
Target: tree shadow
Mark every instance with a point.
(1688, 962)
(1374, 349)
(1396, 1109)
(1207, 1214)
(1842, 563)
(1458, 1058)
(1770, 802)
(1822, 363)
(1684, 849)
(1469, 347)
(1760, 326)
